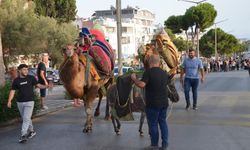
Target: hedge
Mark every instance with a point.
(6, 113)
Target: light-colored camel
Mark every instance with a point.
(72, 73)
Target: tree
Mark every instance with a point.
(66, 10)
(45, 8)
(24, 33)
(170, 33)
(244, 46)
(173, 23)
(177, 24)
(226, 43)
(61, 10)
(179, 42)
(2, 69)
(200, 17)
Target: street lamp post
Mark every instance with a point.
(119, 35)
(198, 29)
(193, 1)
(215, 42)
(215, 38)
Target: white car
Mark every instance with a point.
(124, 70)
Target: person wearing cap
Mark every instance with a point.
(41, 74)
(24, 85)
(85, 41)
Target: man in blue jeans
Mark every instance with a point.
(155, 81)
(191, 67)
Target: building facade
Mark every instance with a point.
(137, 27)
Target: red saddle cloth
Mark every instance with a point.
(101, 59)
(101, 52)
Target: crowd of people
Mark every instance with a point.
(225, 65)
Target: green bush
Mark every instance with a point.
(67, 96)
(6, 113)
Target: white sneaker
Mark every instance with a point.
(31, 134)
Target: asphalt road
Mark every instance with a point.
(222, 122)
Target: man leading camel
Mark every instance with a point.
(155, 81)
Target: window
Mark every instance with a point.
(124, 29)
(110, 29)
(125, 40)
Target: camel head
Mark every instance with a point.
(162, 44)
(162, 40)
(69, 50)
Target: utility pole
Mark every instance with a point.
(198, 29)
(193, 1)
(119, 35)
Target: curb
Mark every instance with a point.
(48, 111)
(37, 115)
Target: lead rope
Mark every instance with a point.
(63, 66)
(170, 110)
(171, 107)
(87, 71)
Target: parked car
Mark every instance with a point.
(32, 72)
(53, 75)
(124, 70)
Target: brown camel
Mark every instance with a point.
(72, 73)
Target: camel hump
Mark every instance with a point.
(101, 59)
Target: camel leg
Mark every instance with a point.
(143, 115)
(107, 112)
(90, 97)
(116, 125)
(97, 110)
(88, 123)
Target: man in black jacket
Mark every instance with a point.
(155, 81)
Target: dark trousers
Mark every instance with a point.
(157, 117)
(191, 83)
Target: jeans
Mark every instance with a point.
(193, 83)
(154, 117)
(26, 110)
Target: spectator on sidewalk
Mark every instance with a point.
(191, 67)
(41, 74)
(154, 79)
(24, 84)
(248, 67)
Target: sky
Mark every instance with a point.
(237, 12)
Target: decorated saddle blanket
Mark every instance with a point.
(93, 70)
(103, 56)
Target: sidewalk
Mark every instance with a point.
(54, 101)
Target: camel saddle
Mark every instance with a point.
(93, 71)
